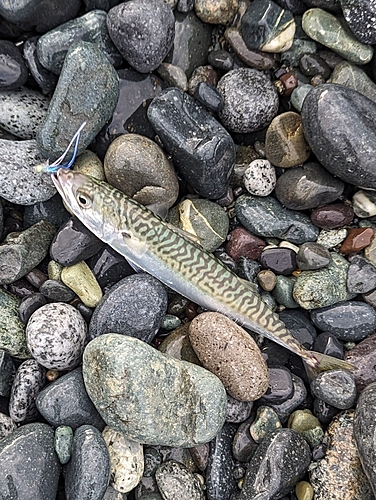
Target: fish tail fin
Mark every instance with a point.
(318, 362)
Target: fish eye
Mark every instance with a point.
(84, 200)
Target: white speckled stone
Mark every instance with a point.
(7, 426)
(259, 178)
(127, 460)
(55, 336)
(332, 237)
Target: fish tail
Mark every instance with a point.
(317, 362)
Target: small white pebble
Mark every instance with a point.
(259, 178)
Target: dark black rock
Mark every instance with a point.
(284, 409)
(297, 7)
(52, 210)
(243, 445)
(208, 96)
(312, 65)
(74, 243)
(143, 32)
(331, 5)
(45, 79)
(57, 291)
(87, 473)
(335, 387)
(358, 15)
(279, 260)
(332, 111)
(280, 387)
(361, 275)
(247, 268)
(29, 466)
(324, 411)
(220, 481)
(202, 150)
(185, 5)
(312, 256)
(100, 4)
(7, 371)
(108, 266)
(65, 402)
(135, 306)
(284, 450)
(299, 326)
(308, 186)
(13, 72)
(348, 321)
(221, 59)
(29, 305)
(328, 344)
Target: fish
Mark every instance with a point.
(176, 259)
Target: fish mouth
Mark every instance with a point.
(64, 183)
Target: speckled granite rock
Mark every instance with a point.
(127, 380)
(12, 330)
(175, 481)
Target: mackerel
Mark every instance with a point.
(174, 258)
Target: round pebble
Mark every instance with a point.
(260, 178)
(336, 387)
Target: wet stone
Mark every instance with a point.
(285, 408)
(252, 57)
(217, 12)
(260, 178)
(56, 291)
(267, 217)
(12, 66)
(243, 446)
(29, 305)
(174, 480)
(279, 260)
(359, 14)
(221, 59)
(348, 321)
(307, 187)
(237, 411)
(250, 100)
(12, 331)
(37, 474)
(177, 345)
(361, 275)
(56, 335)
(45, 79)
(313, 64)
(362, 356)
(307, 425)
(202, 74)
(87, 472)
(299, 326)
(284, 447)
(340, 471)
(208, 96)
(332, 237)
(332, 216)
(352, 76)
(7, 371)
(299, 94)
(364, 204)
(205, 162)
(7, 426)
(335, 387)
(283, 291)
(52, 210)
(280, 386)
(244, 244)
(63, 443)
(141, 376)
(267, 280)
(356, 240)
(266, 421)
(135, 306)
(65, 402)
(328, 344)
(173, 76)
(108, 266)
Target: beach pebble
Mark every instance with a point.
(135, 306)
(299, 94)
(307, 425)
(217, 12)
(279, 260)
(173, 76)
(154, 398)
(65, 402)
(229, 352)
(7, 426)
(12, 66)
(12, 330)
(202, 150)
(361, 275)
(143, 32)
(260, 178)
(362, 356)
(7, 372)
(252, 57)
(356, 240)
(87, 473)
(328, 344)
(109, 266)
(364, 204)
(63, 443)
(266, 421)
(359, 14)
(243, 446)
(127, 460)
(56, 336)
(283, 291)
(285, 408)
(350, 75)
(313, 256)
(28, 382)
(332, 216)
(45, 79)
(81, 280)
(242, 243)
(335, 387)
(175, 481)
(208, 96)
(280, 386)
(52, 210)
(54, 290)
(250, 100)
(332, 237)
(177, 345)
(29, 463)
(237, 411)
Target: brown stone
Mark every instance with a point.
(332, 216)
(363, 356)
(244, 244)
(267, 280)
(356, 240)
(229, 352)
(252, 57)
(216, 11)
(290, 82)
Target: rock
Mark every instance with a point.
(37, 474)
(335, 387)
(12, 331)
(332, 237)
(81, 280)
(353, 116)
(217, 12)
(332, 216)
(241, 243)
(307, 425)
(356, 240)
(361, 275)
(177, 345)
(208, 96)
(328, 344)
(280, 386)
(299, 325)
(63, 443)
(12, 66)
(299, 94)
(362, 356)
(243, 446)
(355, 78)
(284, 447)
(221, 59)
(340, 471)
(364, 204)
(54, 290)
(313, 64)
(260, 178)
(252, 57)
(144, 376)
(202, 150)
(109, 267)
(88, 471)
(285, 408)
(283, 291)
(267, 280)
(313, 256)
(266, 421)
(143, 32)
(56, 335)
(127, 460)
(175, 481)
(7, 426)
(173, 76)
(279, 260)
(237, 411)
(359, 14)
(203, 74)
(7, 372)
(45, 79)
(65, 402)
(250, 100)
(229, 352)
(52, 210)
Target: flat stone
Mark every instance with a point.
(45, 79)
(332, 216)
(361, 276)
(253, 58)
(362, 356)
(335, 387)
(355, 78)
(313, 256)
(279, 260)
(356, 240)
(12, 330)
(12, 66)
(63, 443)
(125, 378)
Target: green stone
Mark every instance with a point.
(80, 278)
(299, 94)
(170, 322)
(282, 292)
(328, 30)
(304, 491)
(266, 421)
(324, 287)
(12, 330)
(298, 48)
(352, 76)
(308, 425)
(151, 397)
(63, 442)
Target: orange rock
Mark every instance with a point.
(356, 240)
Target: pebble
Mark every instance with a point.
(285, 145)
(279, 260)
(280, 386)
(355, 78)
(53, 290)
(332, 216)
(217, 11)
(65, 402)
(177, 345)
(92, 103)
(12, 330)
(267, 280)
(307, 425)
(243, 446)
(7, 426)
(332, 237)
(229, 352)
(340, 471)
(285, 408)
(328, 344)
(87, 473)
(349, 321)
(353, 116)
(63, 443)
(364, 204)
(323, 287)
(52, 47)
(250, 100)
(361, 275)
(12, 66)
(266, 421)
(268, 218)
(81, 280)
(52, 210)
(335, 387)
(208, 96)
(237, 411)
(260, 178)
(29, 380)
(135, 306)
(253, 58)
(56, 336)
(299, 94)
(304, 491)
(22, 251)
(313, 256)
(320, 26)
(145, 47)
(221, 59)
(356, 240)
(285, 449)
(137, 166)
(45, 79)
(144, 376)
(153, 459)
(362, 357)
(36, 475)
(108, 266)
(175, 481)
(299, 326)
(307, 187)
(7, 372)
(283, 291)
(202, 150)
(127, 460)
(202, 74)
(358, 15)
(242, 243)
(173, 76)
(267, 27)
(313, 64)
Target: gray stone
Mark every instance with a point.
(130, 382)
(299, 94)
(360, 15)
(7, 426)
(56, 291)
(63, 443)
(285, 409)
(355, 78)
(12, 330)
(335, 387)
(313, 256)
(237, 411)
(52, 210)
(361, 275)
(175, 481)
(7, 372)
